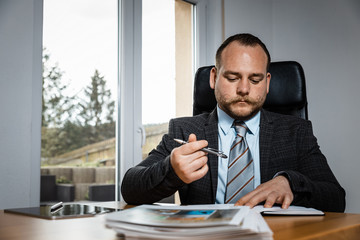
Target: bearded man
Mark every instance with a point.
(276, 160)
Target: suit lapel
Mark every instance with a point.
(211, 134)
(265, 142)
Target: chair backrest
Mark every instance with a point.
(287, 94)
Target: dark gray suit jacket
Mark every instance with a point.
(287, 145)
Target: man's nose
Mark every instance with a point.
(243, 87)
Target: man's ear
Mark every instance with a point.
(213, 75)
(268, 77)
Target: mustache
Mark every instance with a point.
(240, 99)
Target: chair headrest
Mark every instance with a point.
(204, 97)
(287, 93)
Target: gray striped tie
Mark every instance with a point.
(240, 179)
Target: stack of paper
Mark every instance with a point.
(189, 222)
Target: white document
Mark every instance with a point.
(292, 210)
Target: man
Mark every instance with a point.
(283, 158)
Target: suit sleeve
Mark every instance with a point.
(154, 178)
(314, 184)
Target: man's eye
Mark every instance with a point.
(231, 78)
(255, 81)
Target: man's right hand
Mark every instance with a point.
(188, 161)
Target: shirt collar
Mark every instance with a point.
(226, 122)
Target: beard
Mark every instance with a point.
(240, 107)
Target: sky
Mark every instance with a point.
(81, 36)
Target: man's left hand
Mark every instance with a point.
(277, 190)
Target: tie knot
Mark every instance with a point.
(240, 128)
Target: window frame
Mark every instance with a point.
(128, 128)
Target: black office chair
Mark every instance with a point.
(287, 93)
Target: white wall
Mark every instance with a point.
(20, 102)
(324, 36)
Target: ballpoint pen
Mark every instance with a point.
(208, 150)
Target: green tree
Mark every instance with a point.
(56, 110)
(56, 106)
(97, 107)
(61, 132)
(97, 110)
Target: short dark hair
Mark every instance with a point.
(244, 39)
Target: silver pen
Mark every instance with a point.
(208, 150)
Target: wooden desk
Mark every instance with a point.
(330, 226)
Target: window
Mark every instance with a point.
(79, 94)
(167, 66)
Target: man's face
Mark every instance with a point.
(242, 82)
